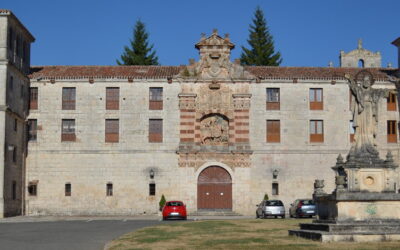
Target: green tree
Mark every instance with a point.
(266, 197)
(139, 52)
(261, 51)
(162, 202)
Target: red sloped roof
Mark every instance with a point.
(162, 72)
(313, 72)
(76, 72)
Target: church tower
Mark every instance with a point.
(360, 58)
(15, 42)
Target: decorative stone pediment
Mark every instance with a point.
(214, 63)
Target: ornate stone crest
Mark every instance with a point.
(214, 130)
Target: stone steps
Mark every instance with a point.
(356, 228)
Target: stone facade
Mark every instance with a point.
(14, 87)
(213, 114)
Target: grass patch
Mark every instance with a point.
(232, 234)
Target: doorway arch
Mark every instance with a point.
(214, 189)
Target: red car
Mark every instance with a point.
(174, 210)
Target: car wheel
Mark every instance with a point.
(164, 218)
(264, 216)
(185, 218)
(290, 215)
(276, 217)
(310, 216)
(283, 217)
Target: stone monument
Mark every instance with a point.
(365, 206)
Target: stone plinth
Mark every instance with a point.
(364, 206)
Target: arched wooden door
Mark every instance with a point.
(214, 189)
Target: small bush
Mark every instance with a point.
(266, 197)
(162, 202)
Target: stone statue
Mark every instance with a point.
(365, 102)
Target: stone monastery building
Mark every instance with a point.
(110, 140)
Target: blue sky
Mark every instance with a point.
(307, 32)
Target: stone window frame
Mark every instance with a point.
(391, 131)
(391, 102)
(111, 130)
(109, 189)
(316, 131)
(156, 98)
(275, 188)
(68, 129)
(33, 98)
(152, 189)
(68, 189)
(68, 98)
(316, 96)
(156, 130)
(273, 98)
(32, 129)
(273, 129)
(112, 98)
(32, 188)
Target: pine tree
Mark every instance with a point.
(139, 53)
(262, 50)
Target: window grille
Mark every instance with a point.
(156, 99)
(316, 99)
(68, 130)
(155, 130)
(316, 131)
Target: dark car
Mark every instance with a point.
(272, 208)
(302, 208)
(174, 210)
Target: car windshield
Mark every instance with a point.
(307, 202)
(274, 203)
(175, 203)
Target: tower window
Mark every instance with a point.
(14, 190)
(361, 63)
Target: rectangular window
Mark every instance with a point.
(391, 131)
(152, 189)
(109, 189)
(273, 99)
(391, 102)
(15, 125)
(316, 99)
(33, 98)
(155, 130)
(14, 190)
(14, 154)
(112, 98)
(275, 189)
(316, 131)
(68, 189)
(32, 130)
(156, 99)
(352, 131)
(11, 83)
(10, 39)
(68, 130)
(32, 188)
(112, 130)
(273, 131)
(68, 98)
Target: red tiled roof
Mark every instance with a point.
(77, 72)
(160, 72)
(313, 72)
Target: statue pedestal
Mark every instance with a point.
(364, 206)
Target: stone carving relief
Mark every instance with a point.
(198, 160)
(215, 61)
(214, 130)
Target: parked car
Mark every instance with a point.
(174, 210)
(302, 208)
(273, 208)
